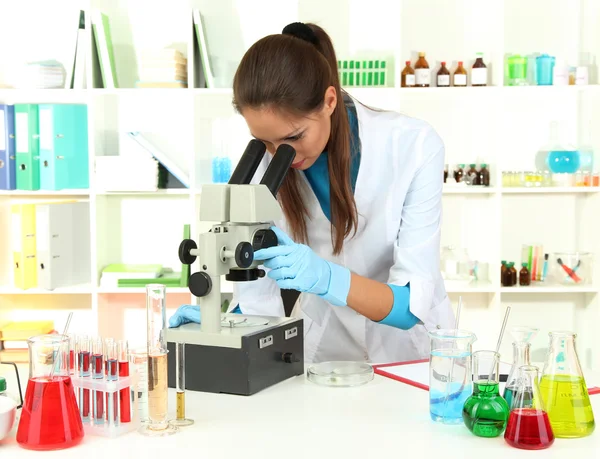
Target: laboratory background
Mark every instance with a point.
(116, 116)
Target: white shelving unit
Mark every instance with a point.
(498, 125)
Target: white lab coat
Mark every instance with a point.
(399, 199)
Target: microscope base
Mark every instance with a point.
(240, 361)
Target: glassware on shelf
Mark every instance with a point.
(455, 263)
(544, 69)
(485, 412)
(50, 419)
(422, 72)
(528, 424)
(517, 70)
(479, 74)
(408, 76)
(450, 382)
(522, 337)
(459, 77)
(574, 268)
(443, 77)
(563, 389)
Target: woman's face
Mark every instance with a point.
(307, 134)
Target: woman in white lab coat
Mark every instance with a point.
(362, 207)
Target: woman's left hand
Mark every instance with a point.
(295, 266)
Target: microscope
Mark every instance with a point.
(236, 353)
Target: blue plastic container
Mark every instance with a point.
(545, 69)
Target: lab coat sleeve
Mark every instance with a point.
(263, 296)
(417, 247)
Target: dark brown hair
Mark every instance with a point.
(291, 75)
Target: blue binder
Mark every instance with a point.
(64, 162)
(7, 148)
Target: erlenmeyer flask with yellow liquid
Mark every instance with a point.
(563, 389)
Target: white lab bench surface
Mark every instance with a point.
(298, 419)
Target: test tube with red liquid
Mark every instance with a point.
(112, 374)
(124, 394)
(72, 354)
(84, 349)
(98, 373)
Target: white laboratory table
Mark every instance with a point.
(298, 419)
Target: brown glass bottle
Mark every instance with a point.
(502, 271)
(459, 173)
(445, 173)
(479, 72)
(484, 175)
(513, 274)
(422, 72)
(460, 75)
(443, 76)
(473, 174)
(408, 76)
(524, 276)
(507, 276)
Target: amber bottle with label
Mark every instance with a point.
(473, 175)
(408, 76)
(460, 75)
(443, 77)
(484, 175)
(422, 72)
(459, 172)
(524, 276)
(479, 72)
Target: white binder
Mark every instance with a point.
(63, 245)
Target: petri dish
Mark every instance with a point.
(340, 373)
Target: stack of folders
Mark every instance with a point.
(51, 244)
(43, 147)
(14, 336)
(42, 75)
(163, 68)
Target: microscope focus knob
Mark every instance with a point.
(244, 255)
(200, 284)
(184, 251)
(263, 239)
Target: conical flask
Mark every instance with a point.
(563, 389)
(522, 337)
(528, 425)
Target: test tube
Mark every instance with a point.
(124, 394)
(98, 373)
(181, 420)
(112, 374)
(72, 353)
(139, 362)
(156, 315)
(84, 350)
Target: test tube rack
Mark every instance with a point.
(363, 73)
(110, 424)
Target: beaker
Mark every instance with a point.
(563, 389)
(450, 381)
(156, 315)
(517, 70)
(485, 412)
(50, 419)
(528, 425)
(522, 337)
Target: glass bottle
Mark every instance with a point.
(479, 72)
(408, 76)
(422, 73)
(473, 175)
(484, 175)
(485, 413)
(563, 389)
(445, 173)
(502, 271)
(507, 276)
(459, 173)
(522, 337)
(513, 274)
(460, 75)
(524, 276)
(528, 425)
(443, 77)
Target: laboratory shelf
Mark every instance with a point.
(551, 190)
(44, 193)
(133, 290)
(83, 289)
(468, 189)
(552, 288)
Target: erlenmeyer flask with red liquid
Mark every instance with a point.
(528, 424)
(50, 419)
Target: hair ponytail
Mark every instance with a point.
(284, 71)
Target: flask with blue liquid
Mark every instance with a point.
(559, 157)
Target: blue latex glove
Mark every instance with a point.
(296, 266)
(190, 313)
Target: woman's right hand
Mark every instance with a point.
(184, 315)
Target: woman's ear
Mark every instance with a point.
(330, 100)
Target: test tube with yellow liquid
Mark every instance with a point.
(156, 315)
(181, 420)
